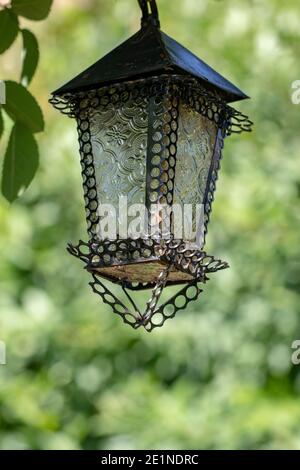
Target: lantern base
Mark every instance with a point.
(145, 272)
(144, 264)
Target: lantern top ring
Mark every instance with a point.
(149, 16)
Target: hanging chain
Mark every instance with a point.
(149, 12)
(156, 293)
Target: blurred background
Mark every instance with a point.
(219, 375)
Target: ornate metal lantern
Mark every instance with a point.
(151, 119)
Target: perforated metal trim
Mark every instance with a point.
(99, 254)
(206, 102)
(173, 253)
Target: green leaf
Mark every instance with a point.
(21, 106)
(9, 28)
(32, 9)
(1, 124)
(30, 56)
(20, 162)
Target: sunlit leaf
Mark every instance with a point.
(32, 9)
(9, 28)
(20, 162)
(30, 56)
(22, 107)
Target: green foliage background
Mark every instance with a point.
(218, 376)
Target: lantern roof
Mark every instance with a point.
(150, 52)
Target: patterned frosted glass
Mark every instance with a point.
(119, 141)
(196, 142)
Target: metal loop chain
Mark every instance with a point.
(156, 293)
(151, 15)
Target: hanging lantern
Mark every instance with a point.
(152, 119)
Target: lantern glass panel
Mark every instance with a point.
(119, 133)
(195, 149)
